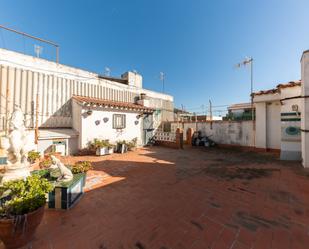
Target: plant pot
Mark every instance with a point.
(19, 231)
(110, 150)
(122, 148)
(102, 151)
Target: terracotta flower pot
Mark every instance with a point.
(19, 231)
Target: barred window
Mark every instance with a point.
(119, 121)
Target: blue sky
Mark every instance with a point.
(195, 42)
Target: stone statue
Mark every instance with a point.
(65, 173)
(17, 144)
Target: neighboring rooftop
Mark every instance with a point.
(126, 81)
(278, 87)
(240, 106)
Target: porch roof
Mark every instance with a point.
(57, 133)
(94, 102)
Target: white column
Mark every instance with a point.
(260, 128)
(305, 109)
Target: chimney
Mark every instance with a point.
(134, 79)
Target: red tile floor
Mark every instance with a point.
(159, 198)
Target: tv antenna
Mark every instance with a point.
(107, 71)
(38, 50)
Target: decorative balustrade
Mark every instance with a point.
(165, 136)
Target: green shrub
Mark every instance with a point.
(98, 143)
(33, 156)
(23, 196)
(81, 167)
(46, 163)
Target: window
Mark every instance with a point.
(119, 121)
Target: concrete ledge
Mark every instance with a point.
(249, 148)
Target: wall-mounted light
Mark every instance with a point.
(105, 120)
(97, 122)
(295, 108)
(136, 122)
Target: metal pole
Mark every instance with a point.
(251, 69)
(163, 83)
(210, 110)
(252, 106)
(57, 54)
(7, 107)
(162, 77)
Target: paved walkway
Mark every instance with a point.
(198, 198)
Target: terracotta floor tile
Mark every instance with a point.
(158, 198)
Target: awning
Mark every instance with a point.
(95, 102)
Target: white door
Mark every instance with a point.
(273, 125)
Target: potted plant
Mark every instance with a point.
(132, 144)
(81, 167)
(102, 147)
(21, 209)
(45, 163)
(33, 156)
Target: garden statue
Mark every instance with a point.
(65, 173)
(17, 145)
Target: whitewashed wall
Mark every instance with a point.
(223, 132)
(274, 114)
(89, 130)
(24, 77)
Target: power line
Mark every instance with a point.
(198, 108)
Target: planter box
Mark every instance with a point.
(104, 151)
(66, 194)
(122, 148)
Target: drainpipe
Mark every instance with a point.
(305, 109)
(7, 104)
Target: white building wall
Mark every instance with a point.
(273, 125)
(274, 115)
(24, 77)
(89, 130)
(260, 128)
